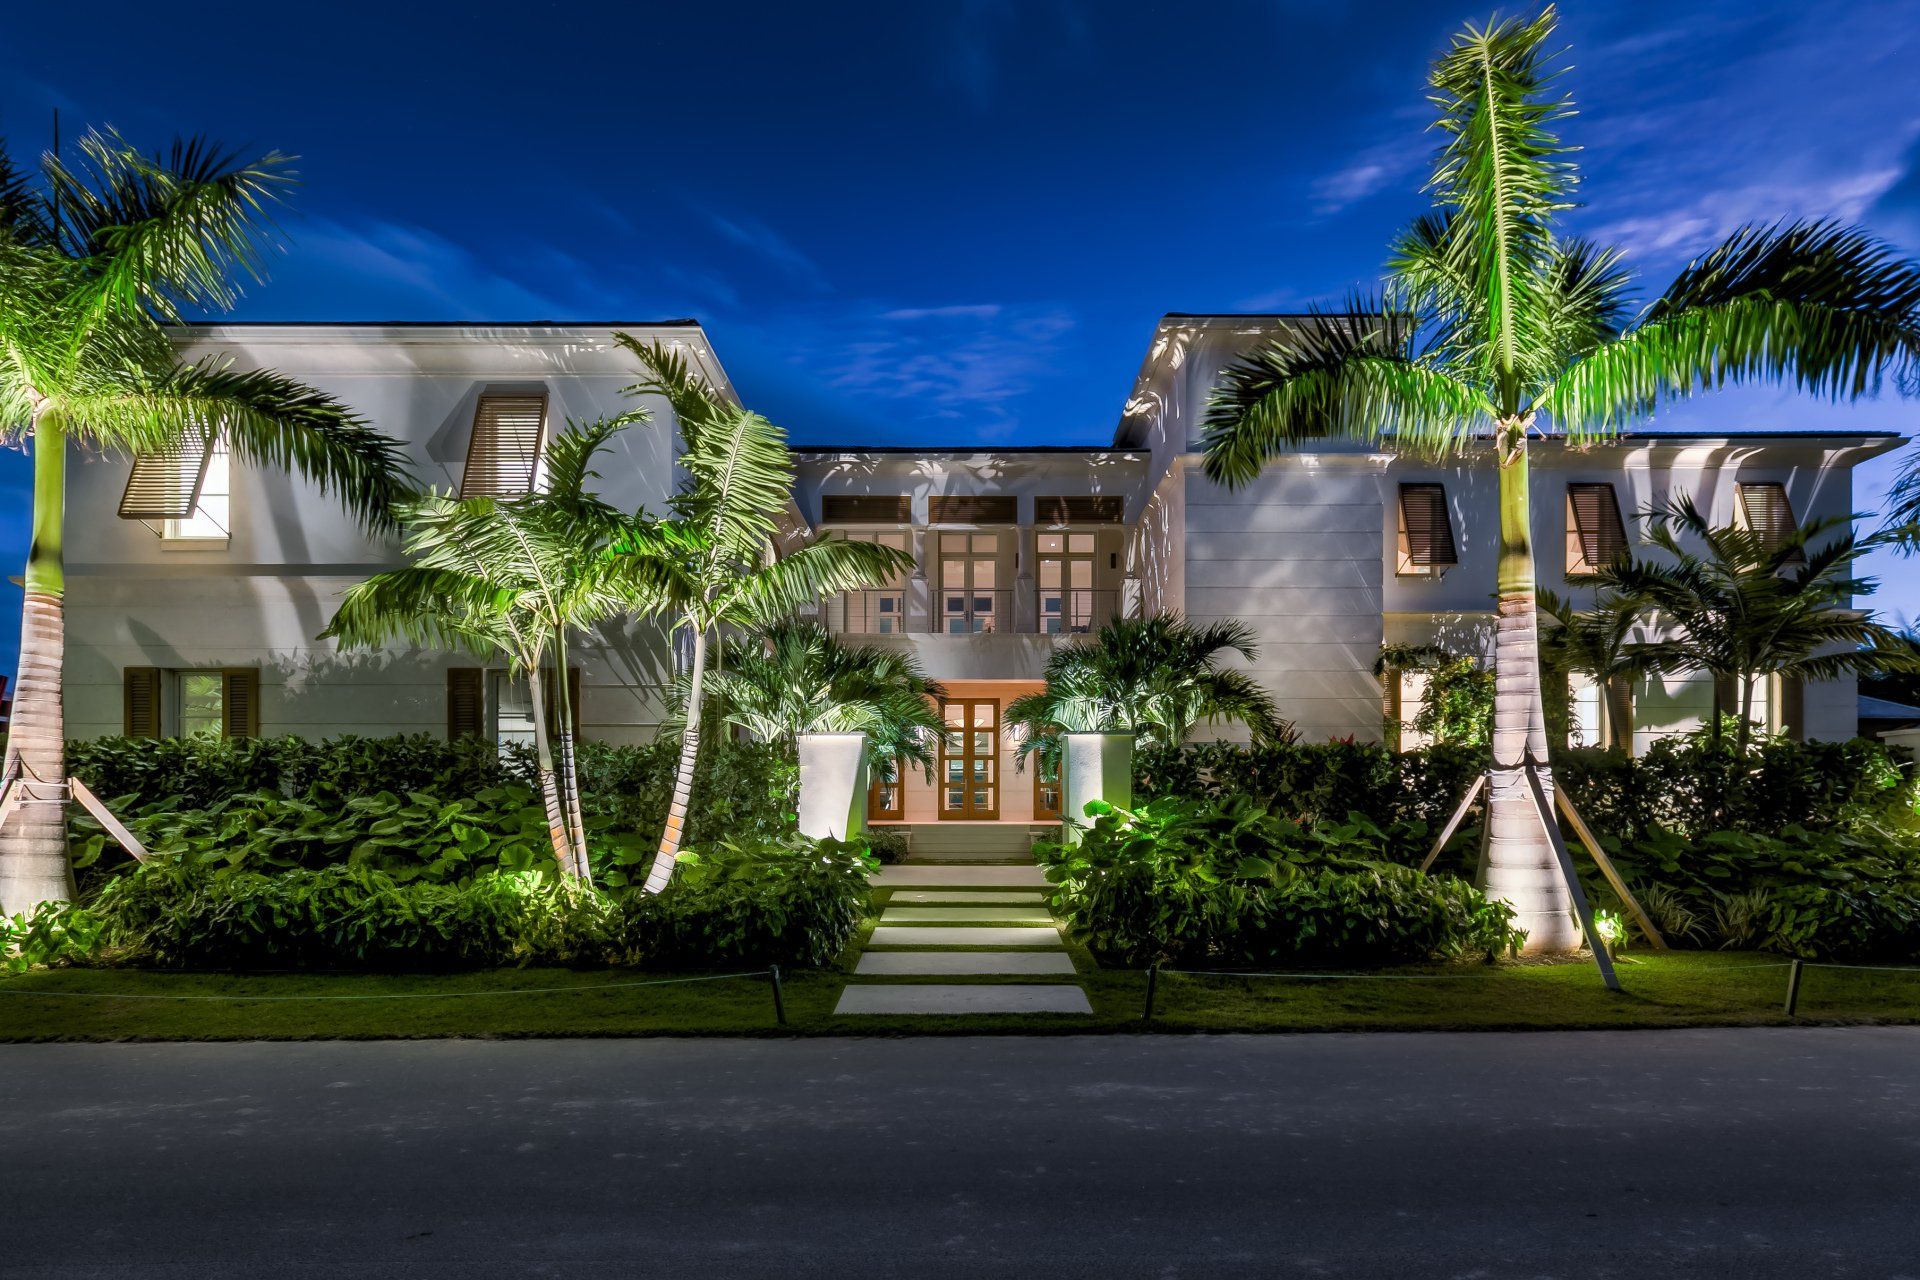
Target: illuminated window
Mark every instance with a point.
(1066, 582)
(212, 517)
(1584, 728)
(1413, 700)
(969, 598)
(1596, 536)
(883, 610)
(1426, 531)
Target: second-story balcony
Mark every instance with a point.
(971, 611)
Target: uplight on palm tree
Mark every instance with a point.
(712, 565)
(96, 258)
(513, 577)
(1495, 325)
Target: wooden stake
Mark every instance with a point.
(1453, 823)
(102, 815)
(1596, 943)
(1606, 866)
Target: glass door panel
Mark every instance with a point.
(970, 759)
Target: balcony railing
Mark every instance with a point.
(969, 612)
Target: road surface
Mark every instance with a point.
(1739, 1153)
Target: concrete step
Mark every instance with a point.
(979, 935)
(920, 876)
(966, 897)
(942, 998)
(963, 963)
(965, 915)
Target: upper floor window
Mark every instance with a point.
(1765, 509)
(503, 453)
(211, 519)
(969, 583)
(186, 487)
(1066, 582)
(881, 610)
(1596, 536)
(1426, 531)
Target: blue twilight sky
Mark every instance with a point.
(952, 222)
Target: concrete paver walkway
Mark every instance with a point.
(957, 918)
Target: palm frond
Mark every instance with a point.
(1334, 376)
(802, 578)
(1824, 308)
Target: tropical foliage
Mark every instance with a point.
(1209, 882)
(97, 256)
(1458, 703)
(1728, 601)
(712, 564)
(1158, 677)
(795, 677)
(1494, 323)
(513, 577)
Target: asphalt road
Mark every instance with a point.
(1700, 1153)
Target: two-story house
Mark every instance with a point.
(196, 590)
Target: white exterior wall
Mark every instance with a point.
(263, 598)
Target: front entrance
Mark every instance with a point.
(970, 760)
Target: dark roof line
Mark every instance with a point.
(436, 324)
(954, 450)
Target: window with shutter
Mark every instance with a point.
(1080, 509)
(970, 509)
(466, 702)
(140, 702)
(1596, 535)
(1426, 531)
(165, 484)
(856, 508)
(240, 702)
(503, 453)
(1765, 510)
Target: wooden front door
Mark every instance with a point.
(970, 759)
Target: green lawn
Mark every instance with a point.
(1675, 990)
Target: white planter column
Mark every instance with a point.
(833, 784)
(1097, 766)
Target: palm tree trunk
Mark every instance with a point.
(33, 845)
(661, 872)
(568, 761)
(1521, 869)
(549, 785)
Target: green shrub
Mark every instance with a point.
(408, 837)
(1228, 882)
(741, 790)
(888, 844)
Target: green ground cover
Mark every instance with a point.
(1680, 989)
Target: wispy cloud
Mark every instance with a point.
(1391, 165)
(752, 234)
(371, 268)
(967, 310)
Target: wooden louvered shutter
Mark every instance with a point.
(1617, 695)
(1600, 536)
(857, 508)
(240, 702)
(1080, 509)
(553, 703)
(165, 484)
(1426, 529)
(1768, 513)
(1793, 708)
(970, 509)
(503, 452)
(140, 702)
(466, 702)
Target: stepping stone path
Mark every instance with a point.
(984, 928)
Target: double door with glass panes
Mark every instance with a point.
(970, 759)
(1066, 583)
(969, 578)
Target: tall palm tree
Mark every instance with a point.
(712, 564)
(96, 259)
(795, 677)
(1495, 324)
(1751, 606)
(1158, 676)
(514, 577)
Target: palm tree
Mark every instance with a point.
(1158, 676)
(1752, 607)
(1595, 643)
(96, 259)
(795, 677)
(712, 564)
(1494, 324)
(513, 577)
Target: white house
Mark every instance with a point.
(206, 622)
